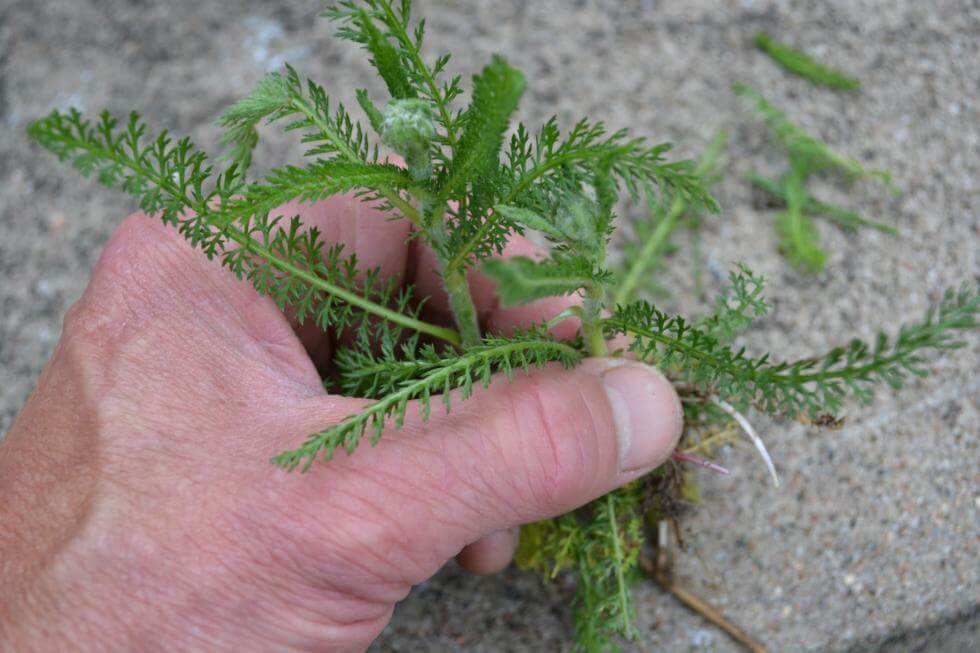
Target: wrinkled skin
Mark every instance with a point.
(139, 508)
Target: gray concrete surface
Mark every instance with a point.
(872, 542)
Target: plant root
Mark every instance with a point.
(752, 435)
(660, 572)
(682, 457)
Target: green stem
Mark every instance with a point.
(595, 341)
(397, 201)
(464, 311)
(348, 296)
(651, 250)
(454, 281)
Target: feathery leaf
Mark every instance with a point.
(434, 376)
(214, 212)
(496, 93)
(811, 386)
(801, 145)
(745, 292)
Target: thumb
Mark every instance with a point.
(516, 452)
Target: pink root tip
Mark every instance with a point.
(700, 462)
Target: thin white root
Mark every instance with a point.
(753, 436)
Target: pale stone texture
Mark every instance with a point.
(871, 544)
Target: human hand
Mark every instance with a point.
(139, 508)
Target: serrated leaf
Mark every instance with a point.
(385, 59)
(496, 93)
(374, 115)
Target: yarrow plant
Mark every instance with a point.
(471, 180)
(807, 156)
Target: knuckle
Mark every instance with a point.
(128, 282)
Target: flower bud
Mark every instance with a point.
(576, 218)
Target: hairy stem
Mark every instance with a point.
(453, 280)
(595, 342)
(464, 311)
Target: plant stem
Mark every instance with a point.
(700, 606)
(461, 303)
(453, 280)
(351, 298)
(595, 341)
(651, 250)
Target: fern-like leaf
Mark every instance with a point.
(845, 219)
(642, 254)
(811, 386)
(539, 172)
(384, 56)
(496, 93)
(736, 311)
(216, 213)
(606, 549)
(393, 23)
(803, 146)
(799, 239)
(432, 376)
(322, 179)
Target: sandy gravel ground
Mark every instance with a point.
(872, 542)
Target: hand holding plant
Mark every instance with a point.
(140, 507)
(458, 326)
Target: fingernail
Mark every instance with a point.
(647, 413)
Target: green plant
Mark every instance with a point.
(471, 181)
(807, 156)
(802, 64)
